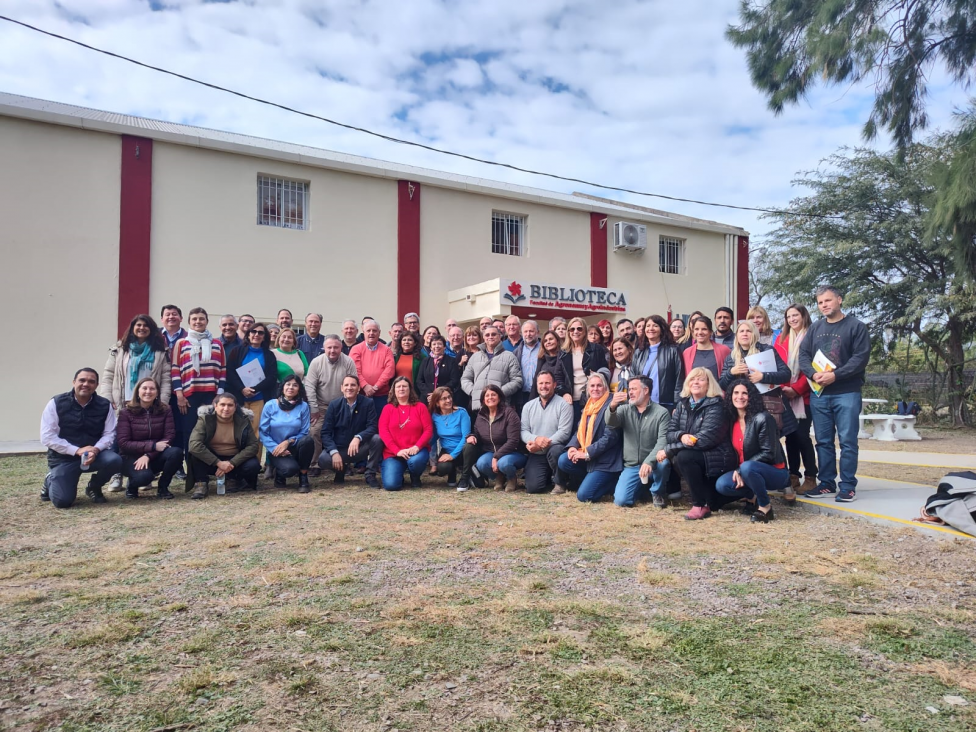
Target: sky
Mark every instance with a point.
(642, 94)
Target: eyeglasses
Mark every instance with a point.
(577, 328)
(258, 332)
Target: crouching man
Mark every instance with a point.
(224, 444)
(78, 430)
(644, 427)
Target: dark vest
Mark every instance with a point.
(77, 424)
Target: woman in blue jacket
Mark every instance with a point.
(284, 432)
(451, 427)
(595, 454)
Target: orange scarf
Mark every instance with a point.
(585, 431)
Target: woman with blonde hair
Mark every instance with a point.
(757, 314)
(698, 441)
(797, 392)
(580, 359)
(290, 360)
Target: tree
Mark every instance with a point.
(954, 214)
(864, 230)
(793, 44)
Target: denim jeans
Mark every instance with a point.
(393, 469)
(594, 485)
(760, 478)
(62, 479)
(630, 488)
(836, 412)
(166, 462)
(508, 465)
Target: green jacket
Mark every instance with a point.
(642, 436)
(206, 427)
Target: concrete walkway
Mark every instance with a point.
(886, 502)
(27, 447)
(918, 459)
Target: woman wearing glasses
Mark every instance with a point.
(261, 360)
(580, 358)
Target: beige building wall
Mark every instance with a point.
(701, 286)
(208, 250)
(59, 204)
(455, 247)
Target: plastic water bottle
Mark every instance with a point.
(221, 485)
(84, 457)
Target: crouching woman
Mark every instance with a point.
(223, 444)
(146, 432)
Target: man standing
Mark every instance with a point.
(171, 317)
(284, 318)
(312, 342)
(455, 342)
(723, 327)
(350, 336)
(513, 333)
(625, 329)
(558, 326)
(323, 384)
(448, 324)
(484, 323)
(350, 434)
(491, 364)
(229, 337)
(374, 364)
(394, 332)
(411, 322)
(527, 353)
(844, 341)
(78, 430)
(244, 324)
(644, 427)
(547, 425)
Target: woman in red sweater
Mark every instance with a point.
(406, 430)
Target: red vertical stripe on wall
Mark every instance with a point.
(742, 278)
(135, 219)
(408, 248)
(598, 250)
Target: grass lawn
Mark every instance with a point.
(354, 609)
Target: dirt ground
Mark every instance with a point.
(354, 609)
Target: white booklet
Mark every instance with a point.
(251, 374)
(765, 362)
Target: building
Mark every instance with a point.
(107, 215)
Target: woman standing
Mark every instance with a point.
(472, 339)
(284, 431)
(594, 334)
(406, 356)
(639, 328)
(704, 352)
(606, 332)
(274, 330)
(146, 430)
(429, 332)
(758, 315)
(579, 360)
(291, 361)
(595, 454)
(622, 357)
(678, 332)
(698, 441)
(451, 427)
(258, 351)
(658, 358)
(550, 357)
(762, 465)
(437, 370)
(797, 392)
(198, 372)
(406, 429)
(494, 446)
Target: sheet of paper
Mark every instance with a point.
(251, 374)
(765, 362)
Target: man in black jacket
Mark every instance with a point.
(350, 434)
(78, 430)
(844, 341)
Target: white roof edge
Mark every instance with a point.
(40, 110)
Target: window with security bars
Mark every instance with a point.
(671, 255)
(508, 234)
(282, 202)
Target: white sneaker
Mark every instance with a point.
(115, 485)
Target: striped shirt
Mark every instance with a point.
(213, 371)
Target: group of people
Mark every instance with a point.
(624, 410)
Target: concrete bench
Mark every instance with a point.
(889, 427)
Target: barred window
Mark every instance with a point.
(508, 234)
(282, 202)
(671, 255)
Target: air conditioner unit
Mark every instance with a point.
(629, 236)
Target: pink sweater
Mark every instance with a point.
(416, 430)
(375, 368)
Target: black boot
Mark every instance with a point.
(45, 494)
(95, 494)
(340, 476)
(303, 486)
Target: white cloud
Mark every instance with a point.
(644, 95)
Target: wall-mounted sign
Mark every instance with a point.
(535, 294)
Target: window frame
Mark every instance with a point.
(503, 220)
(665, 246)
(282, 186)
